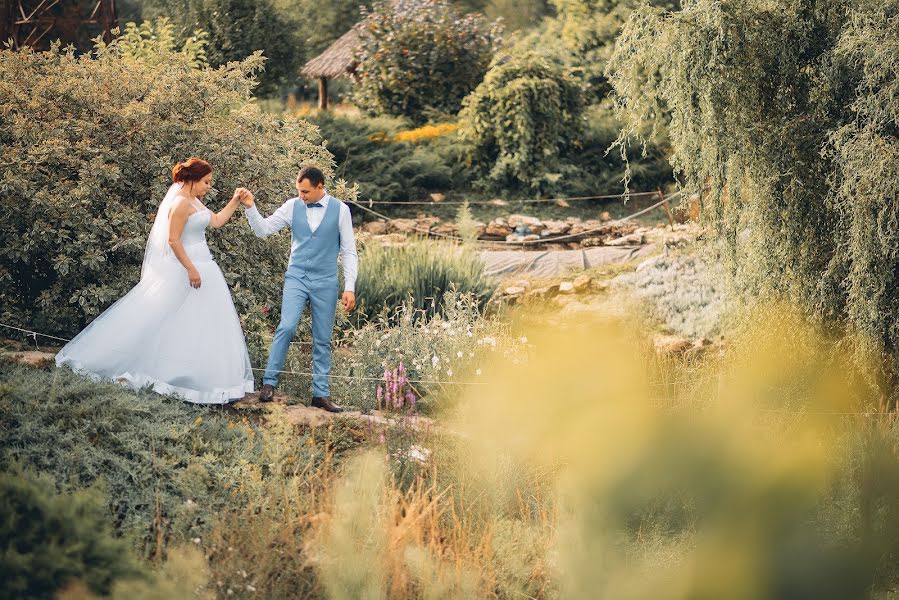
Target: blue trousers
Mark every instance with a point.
(322, 297)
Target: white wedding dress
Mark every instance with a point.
(164, 334)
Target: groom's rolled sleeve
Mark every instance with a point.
(348, 255)
(266, 226)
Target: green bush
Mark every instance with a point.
(458, 344)
(50, 540)
(787, 117)
(169, 469)
(87, 145)
(385, 169)
(522, 122)
(422, 70)
(236, 29)
(584, 33)
(420, 272)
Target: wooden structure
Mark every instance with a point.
(35, 23)
(339, 60)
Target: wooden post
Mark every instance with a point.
(666, 207)
(323, 93)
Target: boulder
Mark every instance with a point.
(378, 227)
(532, 223)
(670, 344)
(633, 239)
(555, 228)
(514, 290)
(581, 283)
(403, 226)
(566, 287)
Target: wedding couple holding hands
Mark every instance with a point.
(177, 330)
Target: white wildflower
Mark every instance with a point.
(196, 540)
(477, 372)
(523, 340)
(460, 354)
(435, 360)
(449, 372)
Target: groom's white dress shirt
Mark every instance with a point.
(281, 218)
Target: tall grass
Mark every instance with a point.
(579, 475)
(421, 272)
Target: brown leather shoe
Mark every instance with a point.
(267, 393)
(325, 403)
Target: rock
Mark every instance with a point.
(445, 229)
(600, 285)
(581, 283)
(566, 287)
(633, 239)
(532, 223)
(498, 228)
(375, 227)
(498, 202)
(522, 238)
(542, 293)
(403, 226)
(438, 197)
(605, 216)
(671, 344)
(700, 347)
(592, 242)
(514, 291)
(426, 223)
(555, 228)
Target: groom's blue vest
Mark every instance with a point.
(313, 254)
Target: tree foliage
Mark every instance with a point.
(584, 34)
(420, 58)
(236, 29)
(786, 114)
(87, 145)
(522, 122)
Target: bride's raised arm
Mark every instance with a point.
(221, 217)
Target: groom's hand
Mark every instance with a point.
(246, 197)
(348, 301)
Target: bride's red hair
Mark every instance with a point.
(192, 169)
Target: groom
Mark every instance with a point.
(321, 228)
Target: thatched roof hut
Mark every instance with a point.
(337, 61)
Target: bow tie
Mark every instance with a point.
(314, 205)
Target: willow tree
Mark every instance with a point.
(783, 114)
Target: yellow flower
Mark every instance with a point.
(199, 420)
(231, 425)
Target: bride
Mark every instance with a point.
(177, 330)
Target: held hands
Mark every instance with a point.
(245, 197)
(348, 301)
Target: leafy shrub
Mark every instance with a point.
(787, 118)
(522, 122)
(455, 345)
(384, 169)
(87, 145)
(584, 33)
(421, 271)
(422, 70)
(169, 469)
(684, 292)
(52, 540)
(235, 30)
